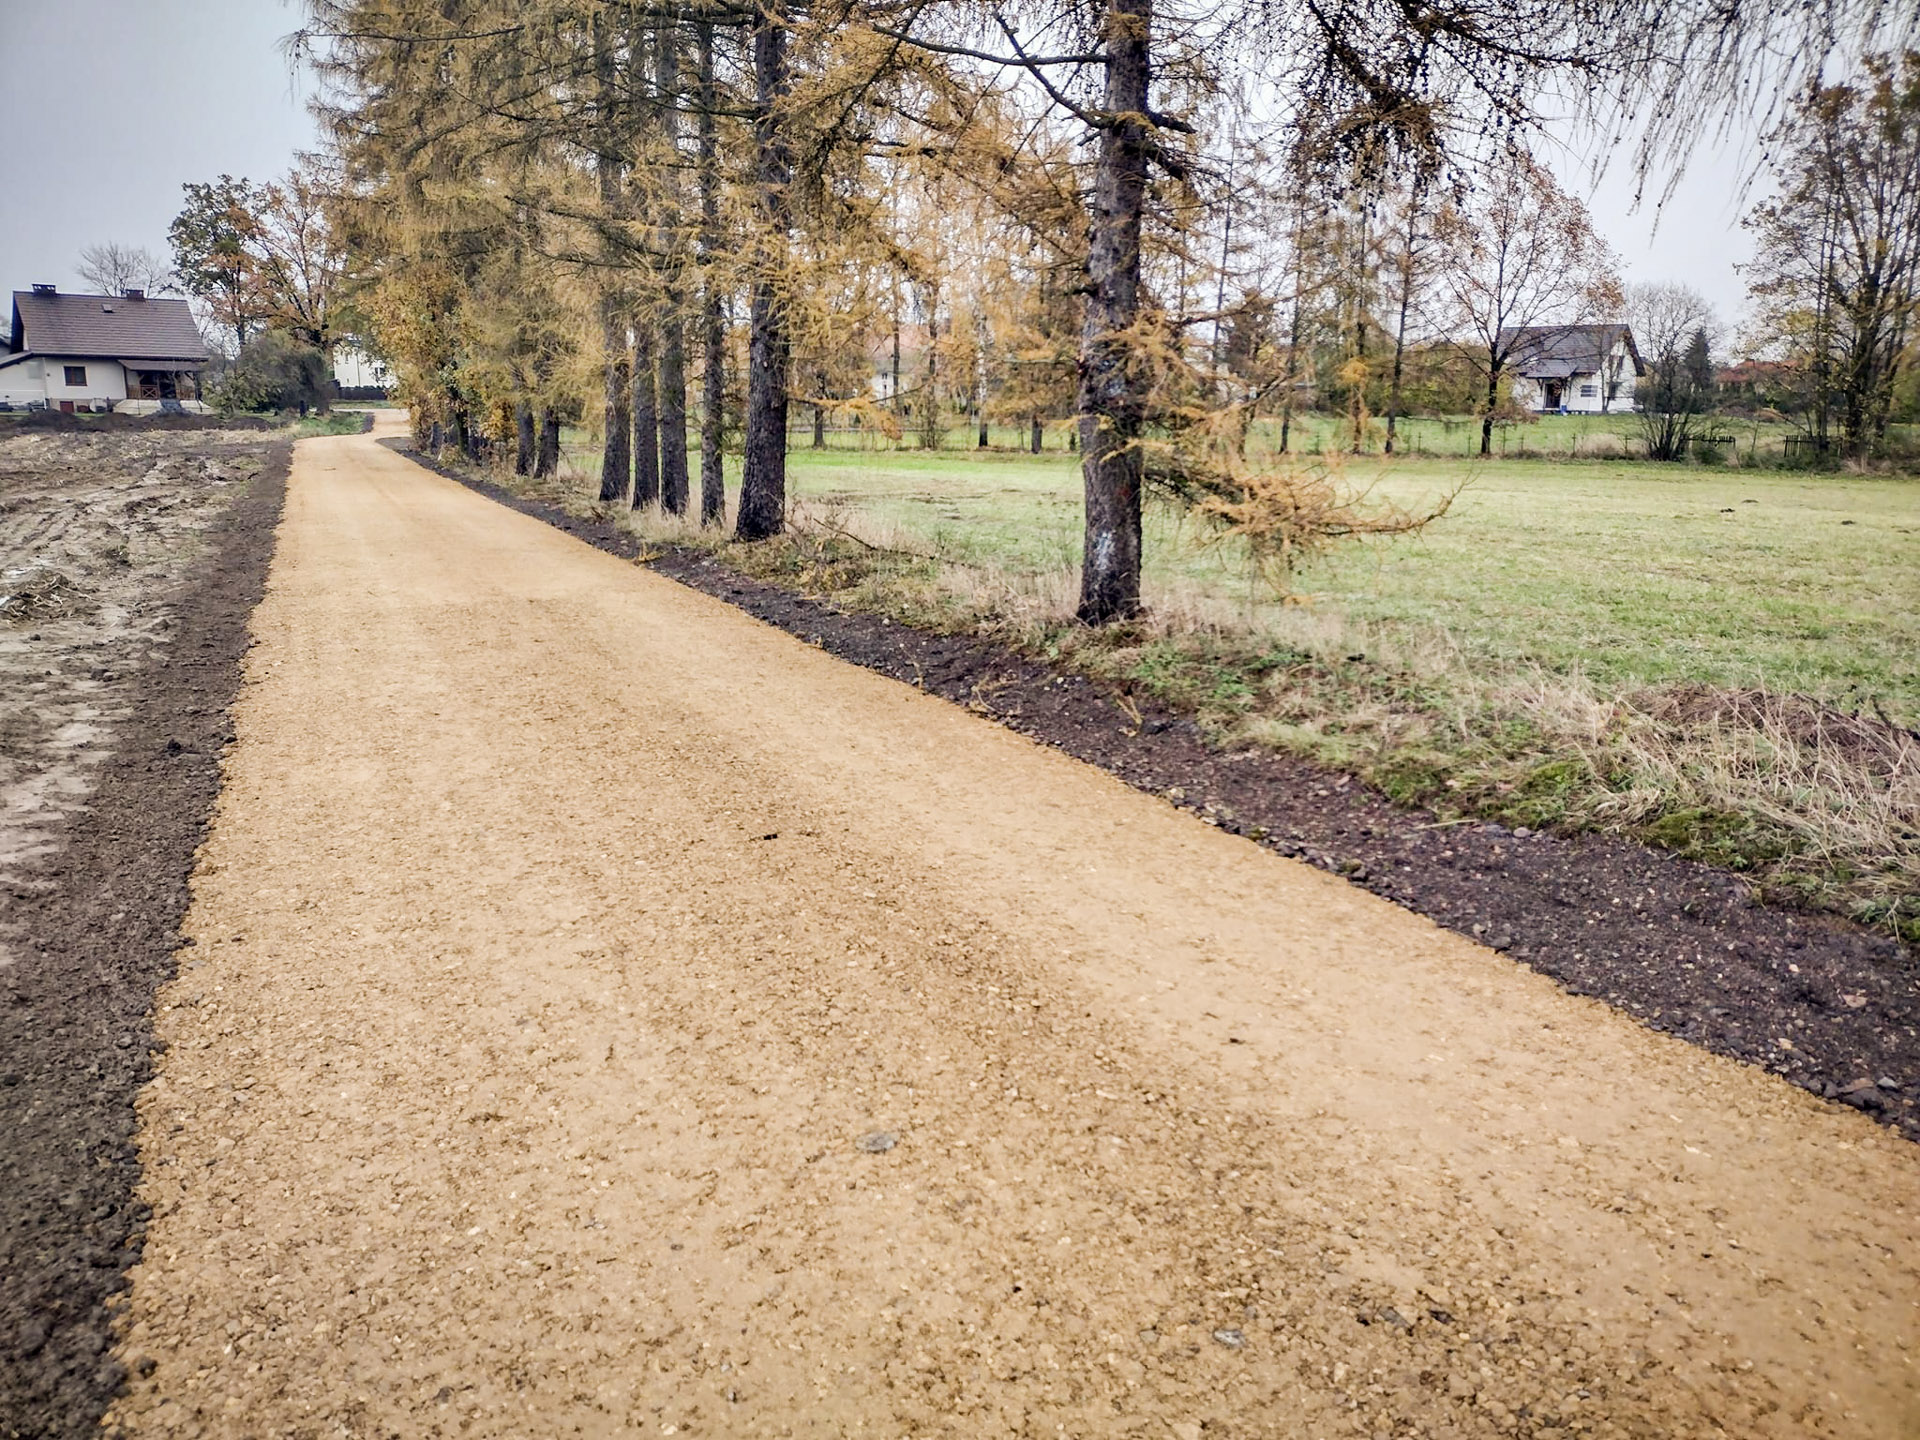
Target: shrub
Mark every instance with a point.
(275, 372)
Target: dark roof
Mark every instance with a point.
(1554, 352)
(105, 326)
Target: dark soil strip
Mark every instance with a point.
(1683, 947)
(100, 918)
(66, 423)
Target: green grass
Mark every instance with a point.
(1614, 435)
(337, 422)
(1637, 574)
(1723, 660)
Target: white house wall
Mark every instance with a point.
(22, 382)
(106, 381)
(1583, 394)
(44, 378)
(1575, 398)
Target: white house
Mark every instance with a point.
(99, 352)
(1573, 369)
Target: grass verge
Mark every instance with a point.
(336, 422)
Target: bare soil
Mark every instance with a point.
(610, 1016)
(1680, 945)
(129, 563)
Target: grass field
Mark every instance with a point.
(1611, 436)
(1638, 574)
(1724, 660)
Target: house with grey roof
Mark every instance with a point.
(128, 352)
(1572, 369)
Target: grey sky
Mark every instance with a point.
(1695, 237)
(114, 104)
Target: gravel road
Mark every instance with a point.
(607, 1015)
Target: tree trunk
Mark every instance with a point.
(896, 355)
(1293, 359)
(616, 452)
(981, 340)
(763, 481)
(646, 422)
(546, 464)
(523, 458)
(1358, 401)
(819, 426)
(673, 410)
(1220, 293)
(930, 436)
(1038, 435)
(1112, 405)
(1406, 302)
(672, 393)
(616, 419)
(1399, 369)
(713, 321)
(1493, 400)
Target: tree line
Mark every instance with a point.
(1145, 219)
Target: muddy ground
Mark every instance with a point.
(1832, 1007)
(129, 563)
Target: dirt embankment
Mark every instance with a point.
(128, 565)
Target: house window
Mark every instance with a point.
(77, 376)
(1587, 392)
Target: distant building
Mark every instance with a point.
(100, 352)
(1573, 369)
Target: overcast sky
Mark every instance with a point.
(113, 105)
(1695, 238)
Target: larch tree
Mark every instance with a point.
(612, 132)
(763, 479)
(801, 112)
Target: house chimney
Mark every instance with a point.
(46, 289)
(134, 294)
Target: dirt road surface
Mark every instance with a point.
(611, 1016)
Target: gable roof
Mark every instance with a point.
(1555, 352)
(105, 326)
